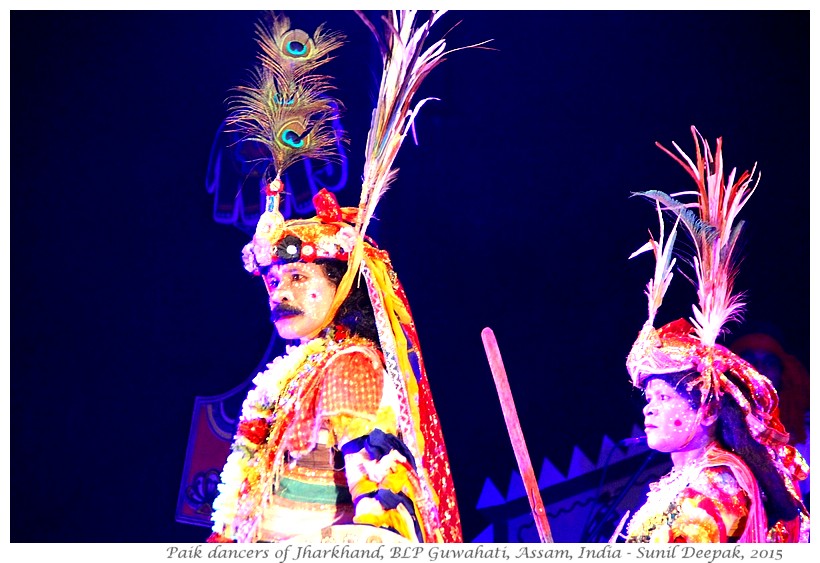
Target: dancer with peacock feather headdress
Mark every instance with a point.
(339, 439)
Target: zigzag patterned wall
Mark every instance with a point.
(580, 508)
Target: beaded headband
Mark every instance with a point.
(330, 234)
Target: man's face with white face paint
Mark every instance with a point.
(671, 422)
(300, 297)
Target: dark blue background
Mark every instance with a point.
(128, 300)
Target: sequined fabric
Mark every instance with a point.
(713, 498)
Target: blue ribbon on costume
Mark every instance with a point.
(378, 444)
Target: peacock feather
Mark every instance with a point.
(286, 105)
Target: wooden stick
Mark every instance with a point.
(522, 456)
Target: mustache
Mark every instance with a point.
(284, 310)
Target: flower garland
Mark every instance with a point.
(248, 476)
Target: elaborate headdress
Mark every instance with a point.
(682, 345)
(287, 109)
(710, 219)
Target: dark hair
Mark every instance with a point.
(356, 311)
(733, 434)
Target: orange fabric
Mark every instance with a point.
(352, 385)
(335, 387)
